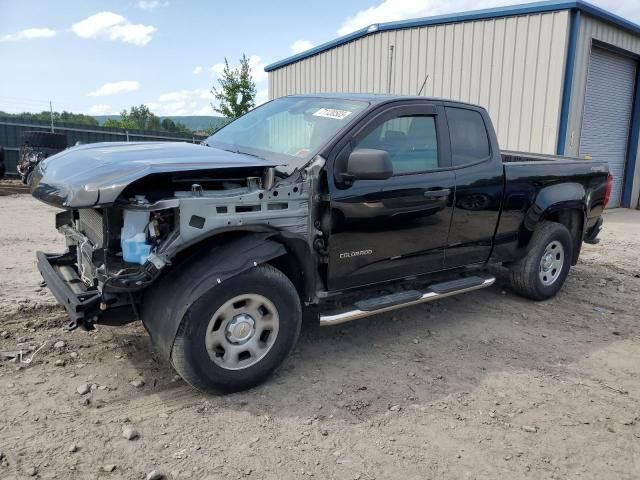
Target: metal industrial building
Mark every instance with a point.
(557, 77)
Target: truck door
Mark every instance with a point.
(397, 227)
(479, 185)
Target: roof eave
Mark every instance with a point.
(485, 14)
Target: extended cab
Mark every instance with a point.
(306, 202)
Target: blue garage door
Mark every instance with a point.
(607, 113)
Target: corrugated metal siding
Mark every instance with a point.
(513, 66)
(591, 29)
(607, 113)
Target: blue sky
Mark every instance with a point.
(100, 57)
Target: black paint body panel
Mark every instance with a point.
(388, 230)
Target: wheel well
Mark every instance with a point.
(290, 264)
(293, 270)
(573, 219)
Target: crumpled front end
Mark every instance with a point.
(116, 251)
(98, 173)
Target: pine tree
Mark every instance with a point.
(237, 92)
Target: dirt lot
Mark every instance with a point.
(486, 385)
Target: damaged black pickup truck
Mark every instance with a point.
(306, 203)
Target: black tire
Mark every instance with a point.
(45, 140)
(190, 356)
(525, 274)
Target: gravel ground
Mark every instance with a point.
(486, 385)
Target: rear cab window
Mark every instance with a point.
(468, 135)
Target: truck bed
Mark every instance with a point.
(511, 156)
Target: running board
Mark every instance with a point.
(386, 303)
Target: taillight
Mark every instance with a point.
(607, 192)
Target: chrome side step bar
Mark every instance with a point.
(366, 308)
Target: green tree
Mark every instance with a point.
(136, 118)
(140, 118)
(168, 125)
(237, 92)
(112, 123)
(182, 128)
(64, 116)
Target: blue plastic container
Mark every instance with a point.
(136, 249)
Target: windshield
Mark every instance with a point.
(288, 130)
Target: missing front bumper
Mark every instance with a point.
(60, 274)
(83, 304)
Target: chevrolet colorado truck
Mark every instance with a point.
(315, 203)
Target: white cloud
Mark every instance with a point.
(97, 25)
(198, 101)
(629, 9)
(257, 68)
(100, 110)
(183, 102)
(393, 10)
(301, 45)
(262, 96)
(255, 63)
(200, 93)
(113, 88)
(113, 27)
(205, 110)
(197, 70)
(217, 69)
(29, 34)
(151, 4)
(175, 96)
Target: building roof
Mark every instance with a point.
(489, 13)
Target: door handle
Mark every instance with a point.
(444, 192)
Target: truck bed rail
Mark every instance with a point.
(510, 156)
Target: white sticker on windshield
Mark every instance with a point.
(332, 113)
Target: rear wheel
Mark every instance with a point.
(237, 333)
(542, 272)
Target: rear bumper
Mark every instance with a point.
(61, 277)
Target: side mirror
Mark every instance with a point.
(369, 164)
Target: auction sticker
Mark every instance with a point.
(332, 113)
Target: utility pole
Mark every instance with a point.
(51, 113)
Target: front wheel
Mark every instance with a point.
(236, 335)
(542, 272)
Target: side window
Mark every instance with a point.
(469, 139)
(410, 141)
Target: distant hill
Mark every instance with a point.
(193, 122)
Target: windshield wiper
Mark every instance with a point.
(244, 153)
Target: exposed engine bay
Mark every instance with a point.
(120, 249)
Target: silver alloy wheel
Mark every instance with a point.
(551, 263)
(242, 331)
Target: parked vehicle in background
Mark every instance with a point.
(35, 147)
(306, 202)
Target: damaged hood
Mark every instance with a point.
(97, 173)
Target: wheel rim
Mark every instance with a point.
(242, 331)
(551, 263)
